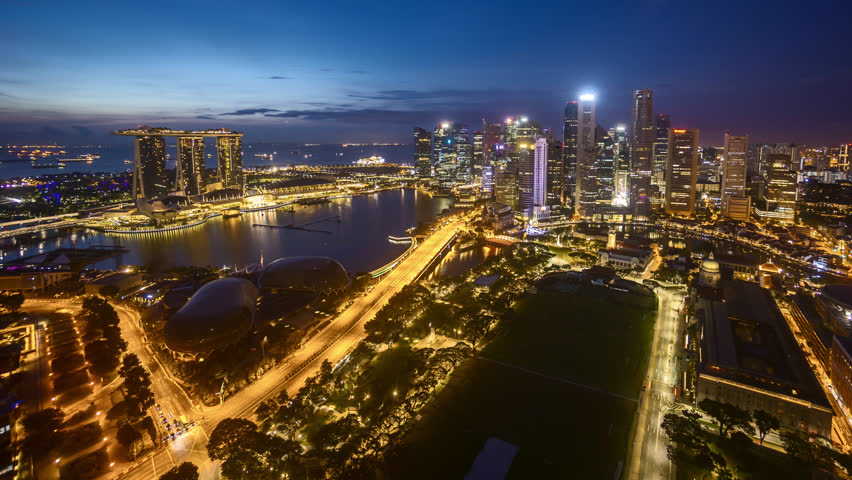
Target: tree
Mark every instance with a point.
(727, 416)
(137, 384)
(129, 437)
(43, 431)
(766, 422)
(11, 301)
(226, 438)
(184, 471)
(102, 356)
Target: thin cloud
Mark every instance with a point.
(251, 111)
(278, 77)
(205, 117)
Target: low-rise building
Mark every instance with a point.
(27, 279)
(750, 359)
(625, 258)
(122, 281)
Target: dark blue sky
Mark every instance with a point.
(368, 71)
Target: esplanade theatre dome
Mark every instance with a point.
(219, 313)
(316, 274)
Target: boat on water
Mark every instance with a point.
(86, 157)
(312, 201)
(49, 165)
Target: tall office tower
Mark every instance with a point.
(478, 156)
(734, 177)
(781, 188)
(767, 150)
(621, 174)
(149, 175)
(506, 189)
(843, 157)
(681, 171)
(569, 147)
(585, 193)
(642, 143)
(526, 177)
(487, 186)
(662, 123)
(540, 171)
(422, 152)
(492, 139)
(190, 167)
(230, 150)
(605, 168)
(463, 152)
(555, 185)
(442, 159)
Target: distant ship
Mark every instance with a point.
(48, 165)
(374, 160)
(86, 157)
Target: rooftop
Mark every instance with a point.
(747, 341)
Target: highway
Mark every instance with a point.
(648, 455)
(334, 342)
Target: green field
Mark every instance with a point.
(560, 381)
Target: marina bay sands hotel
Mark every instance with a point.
(149, 161)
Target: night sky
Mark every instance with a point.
(368, 71)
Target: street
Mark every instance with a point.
(648, 456)
(332, 343)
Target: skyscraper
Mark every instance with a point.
(540, 173)
(781, 188)
(422, 152)
(191, 164)
(478, 155)
(230, 150)
(585, 193)
(662, 123)
(605, 168)
(463, 152)
(555, 172)
(569, 147)
(642, 143)
(149, 179)
(492, 138)
(526, 177)
(506, 189)
(681, 171)
(734, 176)
(442, 159)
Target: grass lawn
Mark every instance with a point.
(578, 338)
(532, 399)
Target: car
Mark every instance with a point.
(168, 426)
(164, 420)
(159, 407)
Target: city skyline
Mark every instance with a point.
(295, 76)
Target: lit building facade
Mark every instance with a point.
(230, 150)
(642, 143)
(555, 173)
(443, 160)
(781, 189)
(149, 178)
(585, 193)
(526, 177)
(506, 189)
(191, 165)
(540, 170)
(662, 123)
(734, 177)
(681, 171)
(422, 152)
(569, 147)
(478, 159)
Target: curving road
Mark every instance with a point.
(334, 342)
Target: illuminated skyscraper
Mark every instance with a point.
(681, 171)
(781, 188)
(230, 169)
(605, 168)
(621, 175)
(642, 143)
(569, 147)
(443, 160)
(478, 155)
(526, 177)
(463, 152)
(191, 164)
(149, 179)
(662, 123)
(422, 152)
(843, 157)
(734, 176)
(506, 189)
(555, 172)
(540, 173)
(585, 193)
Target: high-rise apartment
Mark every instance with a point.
(555, 172)
(540, 169)
(478, 159)
(681, 171)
